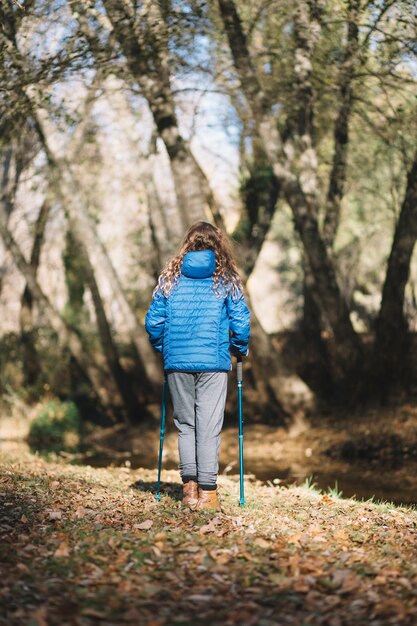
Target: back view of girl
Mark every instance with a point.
(197, 318)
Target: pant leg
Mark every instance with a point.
(182, 390)
(210, 400)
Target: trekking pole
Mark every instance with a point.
(161, 435)
(239, 371)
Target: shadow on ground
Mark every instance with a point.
(174, 490)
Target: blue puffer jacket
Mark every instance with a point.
(194, 329)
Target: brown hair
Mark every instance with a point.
(204, 236)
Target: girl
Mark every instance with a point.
(197, 318)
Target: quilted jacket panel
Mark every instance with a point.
(193, 328)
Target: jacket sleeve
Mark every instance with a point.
(239, 324)
(155, 321)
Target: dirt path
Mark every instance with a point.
(84, 546)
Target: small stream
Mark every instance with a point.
(392, 482)
(360, 480)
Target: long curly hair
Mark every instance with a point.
(204, 236)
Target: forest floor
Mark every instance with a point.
(81, 546)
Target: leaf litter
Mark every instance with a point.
(81, 546)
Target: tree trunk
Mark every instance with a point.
(31, 367)
(194, 196)
(341, 131)
(67, 191)
(66, 335)
(279, 391)
(124, 398)
(328, 293)
(260, 195)
(300, 132)
(390, 349)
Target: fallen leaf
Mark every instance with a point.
(62, 550)
(326, 500)
(261, 543)
(191, 548)
(89, 612)
(208, 528)
(150, 589)
(24, 519)
(80, 512)
(161, 536)
(39, 616)
(55, 515)
(146, 525)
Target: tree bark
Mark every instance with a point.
(300, 133)
(391, 326)
(279, 391)
(259, 197)
(341, 131)
(31, 367)
(124, 398)
(304, 208)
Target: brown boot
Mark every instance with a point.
(190, 493)
(208, 500)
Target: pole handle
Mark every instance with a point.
(239, 368)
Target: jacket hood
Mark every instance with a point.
(199, 264)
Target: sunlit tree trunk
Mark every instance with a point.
(123, 397)
(67, 191)
(66, 335)
(329, 296)
(151, 71)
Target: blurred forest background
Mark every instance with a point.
(290, 124)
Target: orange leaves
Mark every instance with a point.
(22, 568)
(115, 555)
(221, 556)
(62, 550)
(326, 500)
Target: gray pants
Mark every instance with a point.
(198, 399)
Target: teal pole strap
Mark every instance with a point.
(161, 436)
(239, 371)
